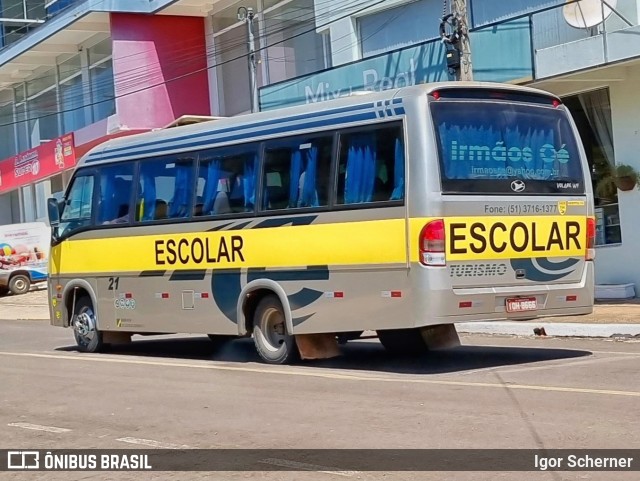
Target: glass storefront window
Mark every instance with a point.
(28, 203)
(22, 127)
(19, 93)
(8, 143)
(103, 102)
(229, 16)
(100, 51)
(72, 104)
(43, 117)
(41, 82)
(15, 207)
(232, 70)
(43, 192)
(57, 186)
(69, 67)
(295, 47)
(398, 27)
(592, 113)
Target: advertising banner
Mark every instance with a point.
(37, 163)
(24, 247)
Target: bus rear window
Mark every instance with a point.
(500, 147)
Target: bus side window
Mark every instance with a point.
(371, 166)
(297, 173)
(77, 211)
(116, 182)
(165, 190)
(226, 182)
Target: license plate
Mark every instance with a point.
(522, 304)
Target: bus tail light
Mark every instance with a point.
(432, 244)
(591, 239)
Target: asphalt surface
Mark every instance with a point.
(174, 392)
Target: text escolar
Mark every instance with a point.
(199, 250)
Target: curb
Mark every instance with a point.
(558, 329)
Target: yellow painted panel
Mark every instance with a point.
(347, 243)
(508, 237)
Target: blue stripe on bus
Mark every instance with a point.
(240, 136)
(244, 131)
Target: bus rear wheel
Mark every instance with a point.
(85, 330)
(270, 336)
(403, 341)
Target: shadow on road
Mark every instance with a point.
(357, 355)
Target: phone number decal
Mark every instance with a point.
(533, 209)
(521, 209)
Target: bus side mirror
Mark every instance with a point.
(53, 210)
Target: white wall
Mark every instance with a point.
(621, 264)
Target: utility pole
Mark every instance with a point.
(246, 14)
(454, 30)
(460, 10)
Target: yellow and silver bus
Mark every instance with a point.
(400, 212)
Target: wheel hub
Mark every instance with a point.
(84, 324)
(275, 329)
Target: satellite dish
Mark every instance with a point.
(587, 13)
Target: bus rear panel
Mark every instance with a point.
(501, 213)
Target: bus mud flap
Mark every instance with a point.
(111, 337)
(317, 346)
(442, 336)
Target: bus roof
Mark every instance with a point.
(383, 101)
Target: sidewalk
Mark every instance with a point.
(28, 307)
(617, 319)
(609, 319)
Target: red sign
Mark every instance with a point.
(36, 164)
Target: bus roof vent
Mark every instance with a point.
(190, 119)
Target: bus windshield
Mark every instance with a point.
(485, 145)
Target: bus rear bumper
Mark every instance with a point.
(490, 303)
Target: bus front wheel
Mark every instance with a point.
(403, 341)
(85, 330)
(270, 336)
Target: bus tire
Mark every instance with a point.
(84, 324)
(403, 341)
(19, 284)
(272, 342)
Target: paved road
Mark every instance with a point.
(173, 392)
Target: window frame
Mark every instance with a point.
(259, 151)
(82, 172)
(331, 192)
(477, 98)
(136, 182)
(132, 195)
(363, 129)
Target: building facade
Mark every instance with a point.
(74, 73)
